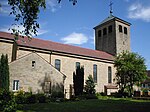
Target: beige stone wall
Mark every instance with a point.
(23, 52)
(106, 42)
(122, 40)
(68, 66)
(33, 77)
(22, 70)
(6, 48)
(114, 42)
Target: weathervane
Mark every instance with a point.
(111, 10)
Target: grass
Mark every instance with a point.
(100, 105)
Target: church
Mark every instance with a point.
(42, 65)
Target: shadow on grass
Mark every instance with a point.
(101, 105)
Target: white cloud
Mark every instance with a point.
(75, 38)
(52, 5)
(5, 8)
(138, 11)
(20, 28)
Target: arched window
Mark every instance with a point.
(104, 31)
(120, 28)
(110, 29)
(125, 30)
(57, 64)
(99, 33)
(77, 65)
(109, 75)
(95, 73)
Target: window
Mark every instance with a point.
(16, 85)
(120, 28)
(104, 31)
(110, 29)
(143, 85)
(109, 75)
(33, 64)
(99, 33)
(57, 64)
(125, 30)
(77, 65)
(95, 73)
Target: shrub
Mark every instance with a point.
(90, 96)
(7, 101)
(31, 98)
(90, 85)
(58, 94)
(41, 98)
(20, 97)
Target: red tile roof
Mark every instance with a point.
(58, 47)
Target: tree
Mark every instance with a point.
(131, 70)
(4, 72)
(78, 81)
(26, 12)
(90, 85)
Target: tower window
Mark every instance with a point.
(109, 75)
(33, 64)
(77, 65)
(57, 64)
(95, 73)
(104, 31)
(99, 33)
(125, 30)
(110, 29)
(120, 28)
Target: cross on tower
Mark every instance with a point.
(111, 10)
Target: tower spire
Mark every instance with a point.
(111, 8)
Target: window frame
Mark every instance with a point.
(77, 65)
(33, 64)
(110, 29)
(109, 74)
(105, 31)
(15, 85)
(120, 29)
(99, 33)
(58, 64)
(95, 73)
(125, 30)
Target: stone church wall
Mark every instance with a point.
(34, 77)
(6, 48)
(122, 40)
(68, 66)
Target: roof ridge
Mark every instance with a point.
(39, 43)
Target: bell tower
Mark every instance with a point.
(112, 35)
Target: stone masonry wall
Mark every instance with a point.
(34, 77)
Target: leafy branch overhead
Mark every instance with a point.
(26, 13)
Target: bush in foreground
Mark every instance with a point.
(7, 101)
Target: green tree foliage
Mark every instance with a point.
(131, 70)
(4, 72)
(7, 101)
(26, 13)
(78, 80)
(90, 85)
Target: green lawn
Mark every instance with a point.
(103, 105)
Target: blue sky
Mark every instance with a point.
(74, 24)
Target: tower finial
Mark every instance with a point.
(111, 9)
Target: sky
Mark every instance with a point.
(74, 25)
